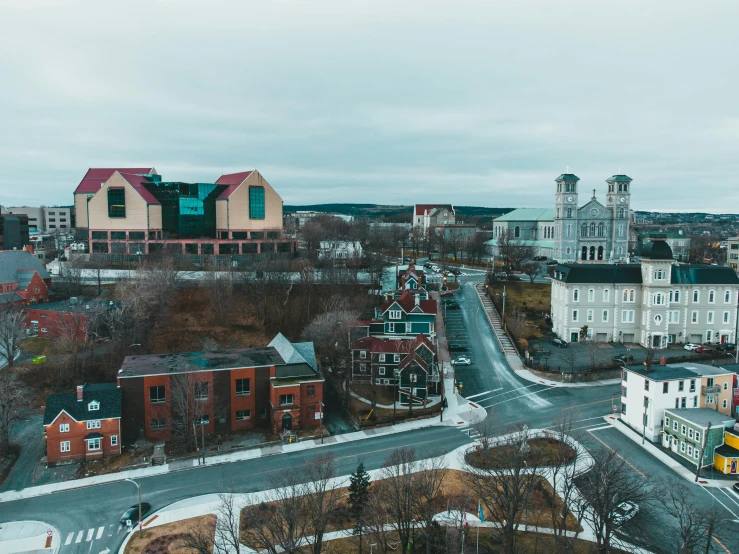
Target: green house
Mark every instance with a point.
(689, 431)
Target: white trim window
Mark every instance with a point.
(659, 299)
(606, 295)
(591, 295)
(93, 406)
(93, 444)
(574, 315)
(709, 336)
(382, 357)
(605, 316)
(391, 327)
(65, 446)
(627, 316)
(93, 424)
(396, 357)
(576, 295)
(727, 297)
(381, 370)
(727, 317)
(711, 296)
(709, 318)
(394, 314)
(673, 316)
(64, 427)
(694, 316)
(590, 316)
(113, 440)
(696, 296)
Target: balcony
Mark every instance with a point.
(713, 389)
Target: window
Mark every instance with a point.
(697, 436)
(363, 355)
(574, 315)
(256, 202)
(396, 357)
(659, 274)
(576, 295)
(605, 316)
(93, 424)
(382, 357)
(627, 316)
(93, 406)
(681, 386)
(584, 230)
(286, 399)
(158, 424)
(677, 296)
(692, 385)
(263, 413)
(395, 314)
(709, 334)
(116, 202)
(113, 440)
(658, 319)
(590, 316)
(591, 295)
(696, 296)
(683, 404)
(727, 297)
(711, 296)
(202, 419)
(65, 446)
(696, 454)
(726, 386)
(690, 450)
(64, 428)
(665, 387)
(659, 299)
(673, 316)
(311, 391)
(690, 434)
(381, 371)
(726, 317)
(243, 415)
(243, 387)
(201, 391)
(157, 394)
(694, 317)
(724, 403)
(667, 422)
(391, 327)
(674, 423)
(646, 385)
(606, 295)
(623, 392)
(695, 402)
(93, 444)
(683, 429)
(623, 408)
(709, 317)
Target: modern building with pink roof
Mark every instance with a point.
(132, 211)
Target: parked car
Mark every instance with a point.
(735, 486)
(461, 360)
(703, 350)
(447, 293)
(406, 259)
(624, 512)
(623, 358)
(558, 342)
(452, 306)
(455, 272)
(428, 265)
(455, 347)
(539, 258)
(552, 262)
(132, 514)
(436, 268)
(691, 346)
(726, 347)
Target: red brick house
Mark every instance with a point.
(83, 426)
(23, 278)
(277, 386)
(65, 317)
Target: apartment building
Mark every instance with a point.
(14, 234)
(133, 211)
(85, 425)
(647, 393)
(653, 303)
(688, 433)
(277, 386)
(59, 218)
(36, 220)
(732, 253)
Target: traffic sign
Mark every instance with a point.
(49, 533)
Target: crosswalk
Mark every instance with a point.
(93, 533)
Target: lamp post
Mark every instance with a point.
(138, 489)
(321, 422)
(644, 421)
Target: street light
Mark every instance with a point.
(138, 489)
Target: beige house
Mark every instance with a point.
(132, 211)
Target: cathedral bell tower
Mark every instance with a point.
(618, 201)
(565, 217)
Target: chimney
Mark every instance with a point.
(80, 388)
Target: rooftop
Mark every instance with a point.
(621, 178)
(233, 180)
(14, 261)
(677, 371)
(528, 214)
(568, 177)
(96, 176)
(81, 305)
(107, 394)
(682, 274)
(702, 416)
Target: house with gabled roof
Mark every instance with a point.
(427, 216)
(132, 211)
(23, 278)
(85, 425)
(411, 278)
(405, 317)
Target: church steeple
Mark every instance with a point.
(565, 216)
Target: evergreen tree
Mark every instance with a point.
(358, 497)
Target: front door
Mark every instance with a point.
(287, 422)
(733, 466)
(656, 341)
(573, 337)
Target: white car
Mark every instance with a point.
(461, 360)
(691, 346)
(624, 512)
(436, 269)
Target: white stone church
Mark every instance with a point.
(593, 232)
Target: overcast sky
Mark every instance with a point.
(474, 103)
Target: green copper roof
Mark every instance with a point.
(621, 178)
(528, 214)
(568, 177)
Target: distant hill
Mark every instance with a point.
(376, 210)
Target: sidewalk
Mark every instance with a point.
(674, 465)
(458, 412)
(30, 537)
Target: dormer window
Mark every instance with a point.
(93, 406)
(394, 314)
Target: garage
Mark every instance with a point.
(696, 339)
(629, 337)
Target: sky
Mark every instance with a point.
(389, 102)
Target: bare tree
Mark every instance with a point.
(220, 288)
(396, 492)
(307, 280)
(321, 496)
(191, 402)
(12, 332)
(609, 482)
(70, 281)
(428, 484)
(12, 399)
(477, 247)
(513, 251)
(592, 347)
(329, 333)
(533, 270)
(225, 540)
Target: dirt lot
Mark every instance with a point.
(167, 539)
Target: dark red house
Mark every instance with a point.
(65, 318)
(23, 278)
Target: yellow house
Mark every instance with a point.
(726, 456)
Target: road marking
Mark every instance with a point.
(512, 399)
(100, 532)
(619, 455)
(719, 501)
(729, 495)
(69, 538)
(722, 545)
(607, 426)
(79, 537)
(590, 403)
(89, 534)
(482, 393)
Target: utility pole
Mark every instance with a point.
(195, 434)
(644, 420)
(321, 423)
(703, 449)
(202, 436)
(140, 515)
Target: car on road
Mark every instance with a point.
(691, 346)
(623, 358)
(455, 272)
(447, 293)
(456, 347)
(436, 269)
(558, 343)
(407, 259)
(726, 347)
(735, 486)
(461, 360)
(703, 350)
(624, 512)
(452, 305)
(132, 514)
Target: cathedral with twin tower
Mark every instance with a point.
(593, 232)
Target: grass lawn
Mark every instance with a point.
(113, 464)
(166, 539)
(383, 394)
(531, 299)
(544, 452)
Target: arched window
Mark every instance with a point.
(592, 229)
(517, 231)
(592, 252)
(557, 212)
(631, 295)
(584, 230)
(601, 229)
(568, 250)
(677, 296)
(569, 212)
(621, 212)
